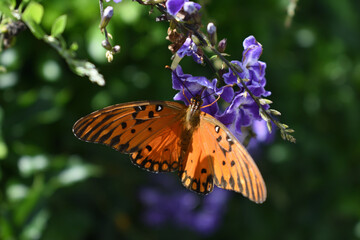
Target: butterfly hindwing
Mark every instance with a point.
(195, 169)
(233, 167)
(144, 128)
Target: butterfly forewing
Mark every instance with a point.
(160, 152)
(233, 167)
(143, 128)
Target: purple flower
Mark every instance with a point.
(174, 6)
(199, 86)
(250, 68)
(262, 133)
(189, 48)
(167, 202)
(240, 113)
(262, 136)
(191, 7)
(243, 110)
(115, 1)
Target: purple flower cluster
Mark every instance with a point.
(242, 110)
(168, 204)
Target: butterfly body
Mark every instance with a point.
(164, 136)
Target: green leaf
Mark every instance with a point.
(6, 10)
(58, 26)
(12, 4)
(36, 225)
(35, 28)
(34, 12)
(25, 208)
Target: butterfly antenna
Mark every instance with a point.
(217, 99)
(183, 91)
(211, 103)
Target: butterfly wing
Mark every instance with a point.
(216, 156)
(149, 130)
(232, 166)
(195, 172)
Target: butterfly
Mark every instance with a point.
(165, 136)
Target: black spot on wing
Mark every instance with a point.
(123, 125)
(123, 147)
(195, 185)
(134, 114)
(208, 185)
(148, 147)
(134, 149)
(223, 182)
(115, 140)
(219, 139)
(224, 151)
(231, 142)
(232, 182)
(140, 108)
(151, 114)
(159, 107)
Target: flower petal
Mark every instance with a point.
(174, 6)
(191, 7)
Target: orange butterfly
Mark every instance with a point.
(163, 136)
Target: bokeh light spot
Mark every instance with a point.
(51, 71)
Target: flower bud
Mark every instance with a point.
(222, 45)
(274, 112)
(269, 126)
(116, 49)
(107, 15)
(105, 43)
(264, 101)
(211, 29)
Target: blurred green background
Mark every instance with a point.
(53, 186)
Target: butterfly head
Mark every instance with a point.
(195, 103)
